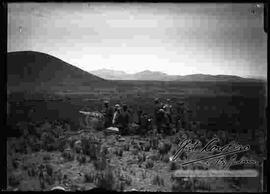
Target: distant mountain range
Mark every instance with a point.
(159, 76)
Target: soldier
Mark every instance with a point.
(166, 122)
(131, 113)
(158, 113)
(168, 116)
(124, 119)
(161, 121)
(168, 109)
(184, 115)
(144, 126)
(108, 114)
(139, 115)
(178, 117)
(115, 120)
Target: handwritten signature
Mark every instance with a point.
(217, 154)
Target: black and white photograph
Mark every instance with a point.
(136, 96)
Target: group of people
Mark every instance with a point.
(117, 116)
(166, 117)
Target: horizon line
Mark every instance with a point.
(90, 71)
(241, 76)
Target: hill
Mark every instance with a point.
(33, 70)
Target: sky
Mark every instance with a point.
(174, 38)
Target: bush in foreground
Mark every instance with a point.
(157, 180)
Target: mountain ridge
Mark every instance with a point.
(160, 76)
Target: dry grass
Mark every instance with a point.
(157, 180)
(149, 164)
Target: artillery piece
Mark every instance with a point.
(91, 120)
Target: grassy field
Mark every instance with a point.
(108, 161)
(134, 162)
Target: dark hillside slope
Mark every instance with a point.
(37, 69)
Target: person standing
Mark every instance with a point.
(108, 114)
(116, 114)
(184, 116)
(124, 120)
(162, 121)
(143, 124)
(168, 117)
(168, 110)
(139, 115)
(158, 113)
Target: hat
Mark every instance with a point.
(106, 102)
(161, 110)
(156, 99)
(117, 106)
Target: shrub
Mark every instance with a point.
(32, 130)
(147, 147)
(32, 171)
(154, 157)
(47, 157)
(49, 169)
(81, 159)
(166, 158)
(135, 152)
(15, 163)
(48, 141)
(107, 180)
(14, 180)
(51, 147)
(21, 147)
(49, 180)
(141, 158)
(61, 144)
(137, 146)
(201, 185)
(164, 148)
(68, 156)
(144, 174)
(176, 187)
(124, 180)
(173, 151)
(119, 152)
(173, 166)
(149, 163)
(157, 180)
(90, 148)
(89, 177)
(72, 142)
(180, 185)
(35, 146)
(126, 147)
(154, 143)
(100, 164)
(105, 150)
